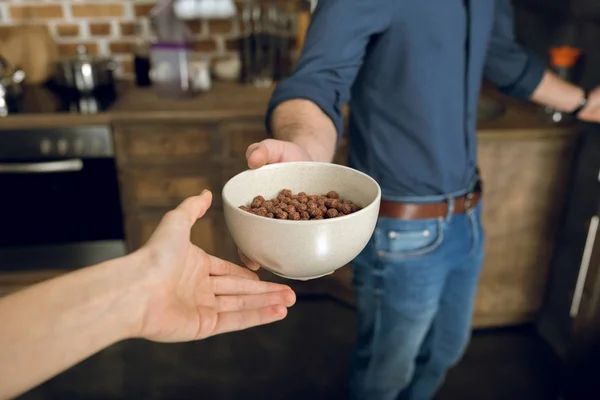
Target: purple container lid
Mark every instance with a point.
(172, 45)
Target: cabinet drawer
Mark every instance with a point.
(242, 134)
(164, 143)
(204, 233)
(164, 188)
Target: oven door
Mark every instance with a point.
(59, 213)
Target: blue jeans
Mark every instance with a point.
(416, 282)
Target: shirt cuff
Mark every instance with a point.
(528, 80)
(323, 96)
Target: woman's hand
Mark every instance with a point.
(190, 294)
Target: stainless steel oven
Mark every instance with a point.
(59, 198)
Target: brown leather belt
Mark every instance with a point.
(428, 210)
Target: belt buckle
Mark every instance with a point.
(469, 201)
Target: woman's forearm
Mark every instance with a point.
(53, 325)
(302, 122)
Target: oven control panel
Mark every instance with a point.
(71, 142)
(63, 147)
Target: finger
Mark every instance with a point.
(222, 267)
(269, 151)
(253, 265)
(285, 298)
(239, 320)
(232, 285)
(195, 207)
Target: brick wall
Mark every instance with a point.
(107, 27)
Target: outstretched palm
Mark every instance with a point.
(195, 295)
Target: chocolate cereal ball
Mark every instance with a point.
(301, 207)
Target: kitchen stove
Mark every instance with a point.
(59, 195)
(50, 98)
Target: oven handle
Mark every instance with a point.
(585, 264)
(73, 165)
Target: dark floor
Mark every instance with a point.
(302, 357)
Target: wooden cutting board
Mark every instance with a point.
(32, 48)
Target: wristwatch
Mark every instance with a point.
(581, 105)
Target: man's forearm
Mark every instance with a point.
(556, 93)
(51, 326)
(302, 122)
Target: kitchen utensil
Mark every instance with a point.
(168, 26)
(85, 73)
(302, 23)
(200, 75)
(247, 43)
(301, 249)
(170, 73)
(141, 58)
(227, 70)
(32, 48)
(205, 9)
(11, 79)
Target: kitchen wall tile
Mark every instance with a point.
(70, 49)
(121, 47)
(127, 28)
(205, 45)
(41, 11)
(220, 26)
(100, 29)
(67, 30)
(97, 10)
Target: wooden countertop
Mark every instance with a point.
(227, 100)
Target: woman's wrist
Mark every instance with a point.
(127, 280)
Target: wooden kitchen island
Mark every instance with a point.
(168, 150)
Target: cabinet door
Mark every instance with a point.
(582, 367)
(206, 233)
(165, 143)
(572, 287)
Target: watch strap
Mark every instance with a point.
(581, 105)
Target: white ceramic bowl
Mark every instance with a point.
(301, 249)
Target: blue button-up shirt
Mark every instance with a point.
(411, 72)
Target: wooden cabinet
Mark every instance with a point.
(205, 233)
(160, 187)
(165, 142)
(525, 174)
(525, 181)
(162, 164)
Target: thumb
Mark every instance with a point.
(195, 207)
(181, 219)
(269, 151)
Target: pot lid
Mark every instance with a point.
(83, 56)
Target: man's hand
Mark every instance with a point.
(193, 295)
(591, 113)
(272, 151)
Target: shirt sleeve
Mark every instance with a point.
(514, 70)
(333, 52)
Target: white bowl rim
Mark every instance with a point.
(372, 204)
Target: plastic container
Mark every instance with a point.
(171, 75)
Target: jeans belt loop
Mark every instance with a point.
(450, 208)
(469, 201)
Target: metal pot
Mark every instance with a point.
(85, 73)
(10, 85)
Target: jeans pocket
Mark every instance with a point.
(401, 239)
